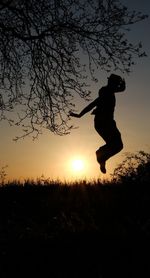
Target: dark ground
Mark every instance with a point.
(81, 231)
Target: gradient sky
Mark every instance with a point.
(52, 155)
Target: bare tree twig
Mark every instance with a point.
(40, 46)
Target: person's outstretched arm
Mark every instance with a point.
(85, 110)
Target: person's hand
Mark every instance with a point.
(122, 81)
(72, 114)
(120, 87)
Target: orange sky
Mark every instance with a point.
(51, 155)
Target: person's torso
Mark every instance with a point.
(105, 106)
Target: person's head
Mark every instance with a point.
(115, 82)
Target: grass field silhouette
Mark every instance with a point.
(84, 229)
(53, 210)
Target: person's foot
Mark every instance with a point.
(98, 156)
(103, 167)
(101, 161)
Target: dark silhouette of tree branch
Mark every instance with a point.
(3, 175)
(134, 168)
(41, 43)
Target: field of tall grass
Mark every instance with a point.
(85, 229)
(80, 230)
(56, 210)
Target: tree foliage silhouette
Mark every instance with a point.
(134, 168)
(41, 43)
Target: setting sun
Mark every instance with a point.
(77, 165)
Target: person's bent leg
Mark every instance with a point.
(113, 144)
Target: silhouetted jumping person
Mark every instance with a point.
(104, 121)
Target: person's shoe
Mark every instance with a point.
(103, 167)
(98, 156)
